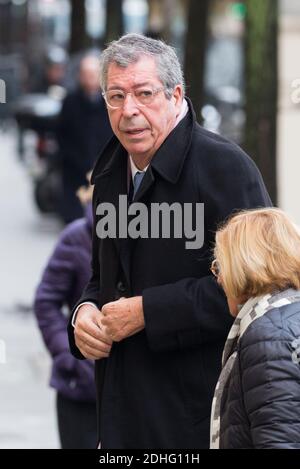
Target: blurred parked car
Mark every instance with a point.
(39, 113)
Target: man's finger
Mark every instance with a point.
(96, 344)
(99, 334)
(88, 327)
(110, 308)
(89, 352)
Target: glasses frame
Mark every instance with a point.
(154, 90)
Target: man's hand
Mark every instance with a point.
(90, 335)
(123, 318)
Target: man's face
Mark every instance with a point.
(55, 74)
(89, 75)
(142, 130)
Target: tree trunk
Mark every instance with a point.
(195, 47)
(161, 14)
(168, 12)
(261, 76)
(114, 20)
(155, 23)
(79, 39)
(5, 28)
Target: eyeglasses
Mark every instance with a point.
(115, 99)
(215, 268)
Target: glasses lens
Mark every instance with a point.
(144, 96)
(115, 98)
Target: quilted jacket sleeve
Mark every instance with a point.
(270, 378)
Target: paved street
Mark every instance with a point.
(27, 417)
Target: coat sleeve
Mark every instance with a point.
(90, 293)
(194, 311)
(51, 295)
(270, 381)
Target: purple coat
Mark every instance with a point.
(64, 278)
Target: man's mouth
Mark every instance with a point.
(135, 131)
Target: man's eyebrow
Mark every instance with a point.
(138, 85)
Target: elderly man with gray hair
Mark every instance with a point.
(152, 315)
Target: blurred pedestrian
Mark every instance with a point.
(65, 275)
(54, 71)
(256, 402)
(83, 130)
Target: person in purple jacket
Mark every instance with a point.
(63, 280)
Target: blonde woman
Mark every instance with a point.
(257, 398)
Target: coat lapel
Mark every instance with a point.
(110, 180)
(168, 161)
(127, 245)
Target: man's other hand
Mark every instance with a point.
(90, 336)
(123, 318)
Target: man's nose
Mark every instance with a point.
(130, 107)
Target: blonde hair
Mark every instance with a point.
(258, 252)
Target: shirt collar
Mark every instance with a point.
(183, 112)
(134, 169)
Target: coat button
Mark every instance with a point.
(121, 287)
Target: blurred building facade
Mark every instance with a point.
(28, 28)
(289, 108)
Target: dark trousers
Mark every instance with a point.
(76, 423)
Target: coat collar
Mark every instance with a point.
(166, 162)
(107, 159)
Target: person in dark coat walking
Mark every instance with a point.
(64, 277)
(83, 130)
(158, 322)
(256, 402)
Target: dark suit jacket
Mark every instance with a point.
(156, 387)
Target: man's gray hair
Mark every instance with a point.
(131, 47)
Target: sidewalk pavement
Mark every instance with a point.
(27, 404)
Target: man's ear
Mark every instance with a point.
(178, 96)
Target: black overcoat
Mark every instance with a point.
(156, 387)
